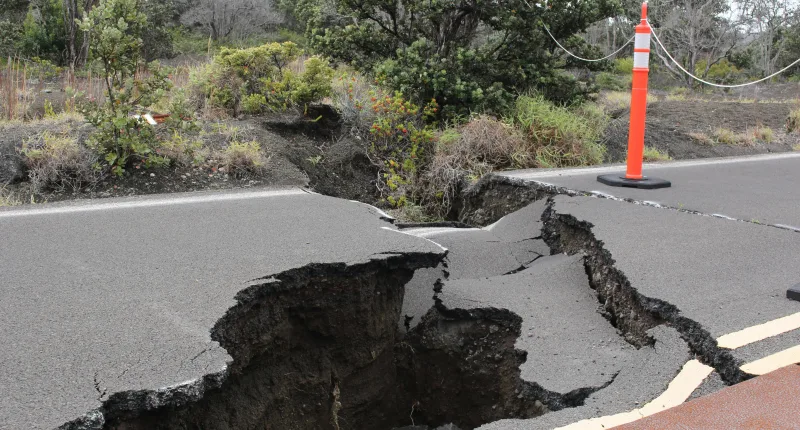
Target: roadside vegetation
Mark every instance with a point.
(432, 107)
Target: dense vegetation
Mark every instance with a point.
(439, 92)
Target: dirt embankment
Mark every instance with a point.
(674, 127)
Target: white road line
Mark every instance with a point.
(429, 231)
(773, 362)
(144, 202)
(537, 173)
(680, 388)
(414, 235)
(759, 332)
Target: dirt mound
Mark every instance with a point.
(669, 124)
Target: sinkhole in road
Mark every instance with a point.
(319, 347)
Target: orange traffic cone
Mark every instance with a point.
(633, 176)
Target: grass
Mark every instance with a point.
(471, 150)
(614, 101)
(793, 121)
(8, 198)
(241, 159)
(558, 136)
(762, 133)
(59, 162)
(652, 154)
(729, 137)
(796, 147)
(749, 138)
(702, 138)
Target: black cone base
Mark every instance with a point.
(646, 183)
(793, 293)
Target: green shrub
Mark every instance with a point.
(115, 27)
(180, 150)
(43, 31)
(241, 159)
(612, 82)
(559, 137)
(623, 66)
(58, 162)
(261, 78)
(471, 57)
(400, 143)
(721, 72)
(254, 103)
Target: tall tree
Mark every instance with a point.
(232, 18)
(467, 54)
(695, 32)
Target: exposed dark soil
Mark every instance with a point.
(670, 122)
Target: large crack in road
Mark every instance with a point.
(538, 320)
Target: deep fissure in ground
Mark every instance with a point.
(319, 346)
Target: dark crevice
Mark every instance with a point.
(522, 267)
(440, 224)
(628, 310)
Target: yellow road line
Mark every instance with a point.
(773, 362)
(694, 373)
(680, 388)
(759, 332)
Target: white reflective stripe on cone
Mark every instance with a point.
(642, 40)
(641, 60)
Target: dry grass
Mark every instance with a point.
(353, 96)
(793, 121)
(476, 148)
(242, 159)
(748, 138)
(59, 162)
(729, 137)
(613, 101)
(702, 138)
(762, 133)
(8, 198)
(652, 154)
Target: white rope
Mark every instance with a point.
(587, 59)
(711, 83)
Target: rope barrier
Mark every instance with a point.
(586, 59)
(711, 83)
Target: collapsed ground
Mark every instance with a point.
(504, 328)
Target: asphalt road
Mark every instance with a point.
(569, 344)
(510, 244)
(726, 275)
(97, 298)
(757, 188)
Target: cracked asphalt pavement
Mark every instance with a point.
(98, 298)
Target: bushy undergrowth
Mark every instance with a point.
(652, 154)
(59, 162)
(241, 159)
(558, 137)
(468, 152)
(612, 82)
(260, 79)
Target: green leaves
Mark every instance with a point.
(469, 55)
